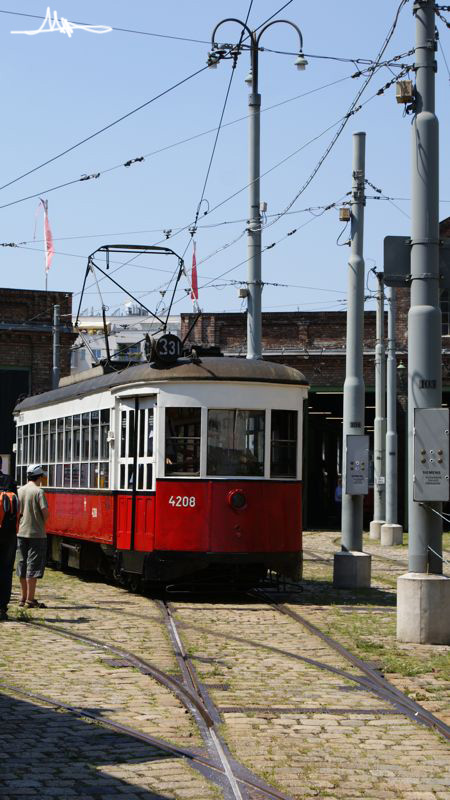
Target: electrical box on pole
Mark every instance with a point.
(357, 464)
(397, 261)
(431, 454)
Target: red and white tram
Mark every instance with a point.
(168, 471)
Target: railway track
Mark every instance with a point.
(368, 677)
(219, 766)
(213, 650)
(378, 683)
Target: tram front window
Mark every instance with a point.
(235, 442)
(183, 428)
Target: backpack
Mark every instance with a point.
(9, 506)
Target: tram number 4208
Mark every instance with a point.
(182, 501)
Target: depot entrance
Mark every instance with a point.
(323, 459)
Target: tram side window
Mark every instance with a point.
(235, 442)
(31, 442)
(283, 439)
(38, 441)
(183, 429)
(74, 451)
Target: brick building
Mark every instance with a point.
(26, 319)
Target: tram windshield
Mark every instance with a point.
(235, 442)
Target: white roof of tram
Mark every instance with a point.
(185, 370)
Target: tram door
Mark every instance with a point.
(135, 474)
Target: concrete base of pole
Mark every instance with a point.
(375, 528)
(391, 534)
(423, 608)
(351, 570)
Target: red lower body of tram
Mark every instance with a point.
(182, 529)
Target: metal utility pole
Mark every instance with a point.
(424, 594)
(424, 318)
(254, 228)
(254, 323)
(391, 532)
(352, 566)
(379, 497)
(56, 347)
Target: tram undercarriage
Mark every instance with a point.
(161, 568)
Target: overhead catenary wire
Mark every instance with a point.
(193, 228)
(272, 245)
(236, 266)
(323, 209)
(225, 102)
(105, 127)
(96, 175)
(140, 159)
(339, 121)
(444, 58)
(350, 112)
(123, 117)
(114, 28)
(188, 39)
(187, 227)
(176, 228)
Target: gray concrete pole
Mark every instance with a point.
(354, 390)
(351, 567)
(56, 347)
(391, 431)
(423, 594)
(379, 496)
(254, 333)
(424, 318)
(391, 532)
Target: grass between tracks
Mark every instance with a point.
(371, 636)
(364, 621)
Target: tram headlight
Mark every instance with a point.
(237, 499)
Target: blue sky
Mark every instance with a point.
(57, 90)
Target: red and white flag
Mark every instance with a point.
(194, 280)
(48, 238)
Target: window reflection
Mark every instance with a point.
(235, 442)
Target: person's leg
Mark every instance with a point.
(23, 584)
(21, 567)
(7, 555)
(37, 557)
(31, 589)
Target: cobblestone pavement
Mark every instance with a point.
(287, 714)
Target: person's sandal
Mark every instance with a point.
(35, 604)
(22, 603)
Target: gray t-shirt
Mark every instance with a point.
(32, 502)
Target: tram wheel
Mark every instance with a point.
(133, 583)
